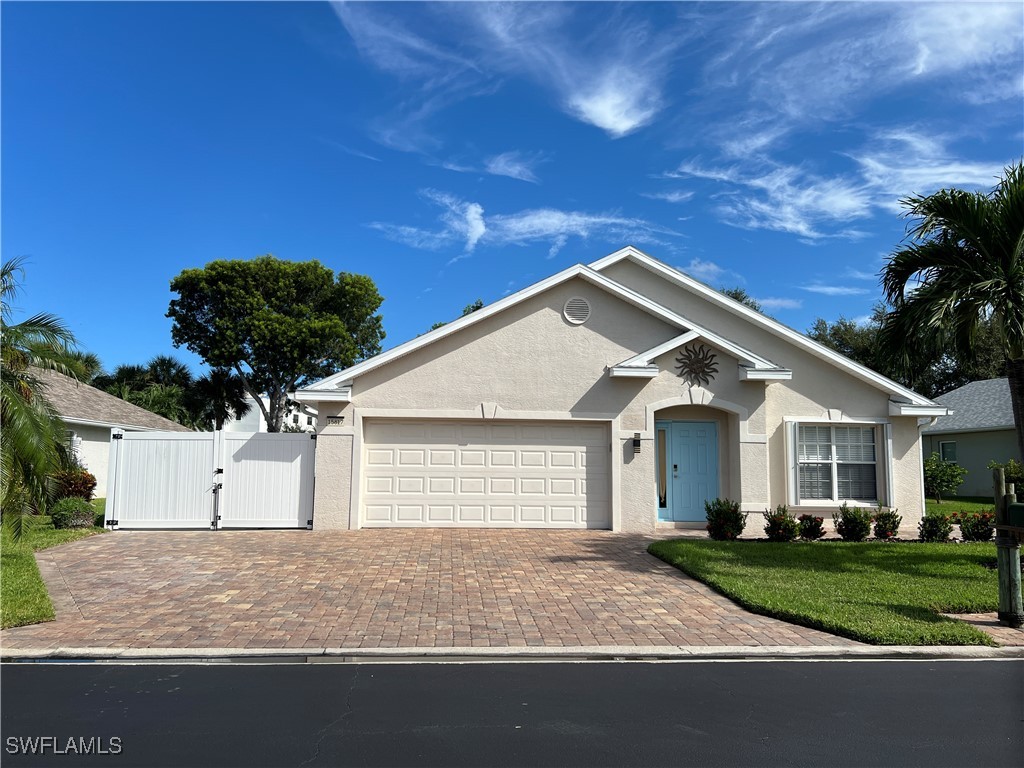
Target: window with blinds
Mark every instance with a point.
(836, 463)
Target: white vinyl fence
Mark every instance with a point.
(210, 480)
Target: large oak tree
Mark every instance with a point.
(278, 324)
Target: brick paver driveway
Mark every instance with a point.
(375, 588)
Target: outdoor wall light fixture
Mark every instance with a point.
(636, 442)
(335, 421)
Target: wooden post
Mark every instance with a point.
(1011, 609)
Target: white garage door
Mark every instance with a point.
(485, 474)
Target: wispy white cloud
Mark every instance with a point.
(515, 165)
(891, 164)
(612, 78)
(672, 196)
(464, 224)
(351, 151)
(859, 274)
(785, 199)
(834, 290)
(708, 271)
(775, 302)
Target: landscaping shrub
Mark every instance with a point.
(75, 483)
(935, 527)
(887, 523)
(852, 523)
(725, 521)
(941, 478)
(1013, 472)
(977, 526)
(779, 525)
(811, 528)
(72, 513)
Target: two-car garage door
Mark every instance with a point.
(485, 474)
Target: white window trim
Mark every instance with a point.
(942, 457)
(883, 463)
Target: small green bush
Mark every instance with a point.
(978, 526)
(725, 521)
(1013, 471)
(780, 525)
(852, 523)
(935, 527)
(75, 483)
(941, 478)
(887, 523)
(811, 528)
(72, 513)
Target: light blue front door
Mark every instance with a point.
(686, 463)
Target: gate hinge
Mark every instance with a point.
(219, 471)
(117, 435)
(312, 436)
(111, 523)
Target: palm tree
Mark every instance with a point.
(217, 397)
(169, 371)
(963, 267)
(87, 365)
(30, 449)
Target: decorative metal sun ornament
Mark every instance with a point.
(697, 365)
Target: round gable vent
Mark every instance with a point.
(577, 310)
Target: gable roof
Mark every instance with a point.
(342, 379)
(897, 391)
(978, 406)
(78, 403)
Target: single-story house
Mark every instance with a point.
(90, 414)
(622, 394)
(978, 429)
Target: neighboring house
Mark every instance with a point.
(300, 416)
(620, 395)
(978, 429)
(90, 414)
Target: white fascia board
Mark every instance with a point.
(765, 374)
(577, 270)
(744, 355)
(649, 356)
(634, 371)
(774, 326)
(913, 409)
(445, 330)
(343, 395)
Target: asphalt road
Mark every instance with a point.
(545, 714)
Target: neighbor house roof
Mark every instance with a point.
(78, 403)
(976, 407)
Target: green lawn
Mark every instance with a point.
(960, 504)
(23, 597)
(886, 593)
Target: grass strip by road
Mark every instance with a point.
(23, 596)
(884, 593)
(960, 504)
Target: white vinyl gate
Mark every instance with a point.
(210, 480)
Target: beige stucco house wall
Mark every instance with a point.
(525, 361)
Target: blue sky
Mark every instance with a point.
(456, 151)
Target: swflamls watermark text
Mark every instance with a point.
(53, 745)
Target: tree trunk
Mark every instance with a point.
(255, 396)
(278, 409)
(1015, 375)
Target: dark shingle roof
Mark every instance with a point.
(75, 401)
(978, 405)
